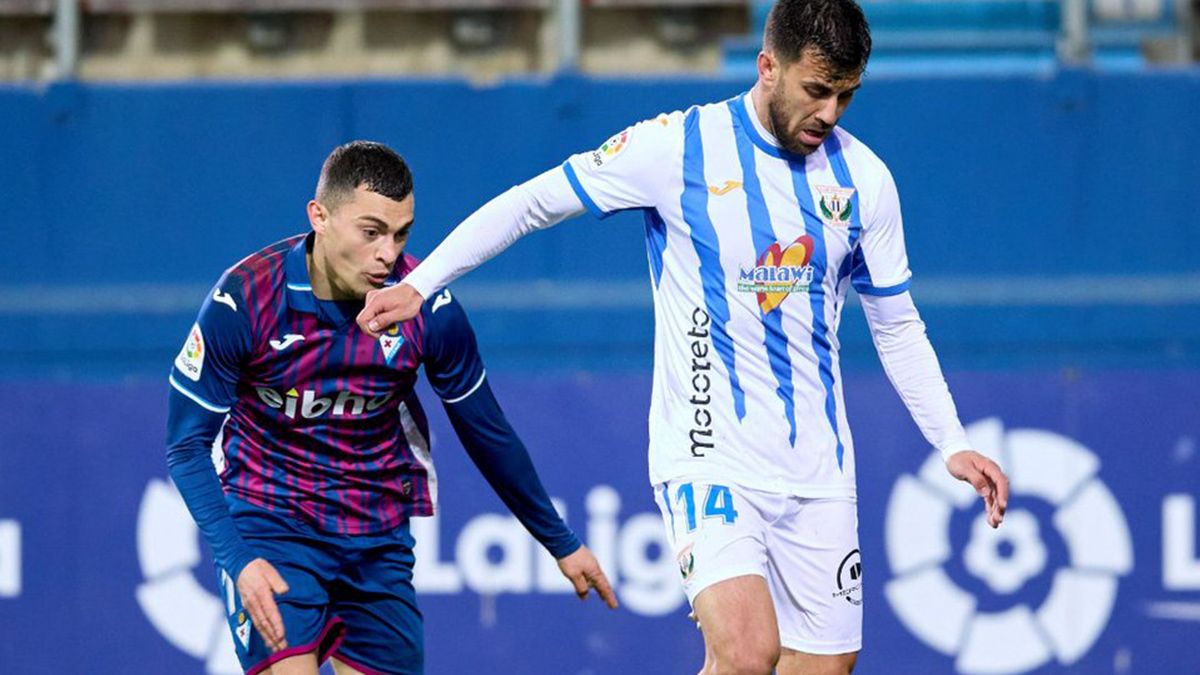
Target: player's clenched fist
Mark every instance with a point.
(258, 584)
(388, 306)
(583, 571)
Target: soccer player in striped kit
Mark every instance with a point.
(759, 214)
(325, 444)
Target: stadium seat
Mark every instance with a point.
(975, 36)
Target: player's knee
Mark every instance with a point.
(842, 664)
(745, 660)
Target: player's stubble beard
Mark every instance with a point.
(776, 104)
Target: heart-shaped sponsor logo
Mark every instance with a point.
(779, 272)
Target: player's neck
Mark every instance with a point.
(759, 99)
(320, 278)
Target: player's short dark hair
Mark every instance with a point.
(836, 29)
(375, 165)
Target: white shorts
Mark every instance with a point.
(806, 549)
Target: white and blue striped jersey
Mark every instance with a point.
(751, 251)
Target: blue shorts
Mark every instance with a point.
(351, 598)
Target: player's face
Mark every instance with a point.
(359, 242)
(805, 99)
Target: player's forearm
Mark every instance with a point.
(497, 451)
(536, 204)
(913, 369)
(191, 431)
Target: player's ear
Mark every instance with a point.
(768, 69)
(318, 216)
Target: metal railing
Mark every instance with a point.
(1077, 41)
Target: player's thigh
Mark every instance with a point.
(737, 617)
(815, 574)
(377, 601)
(304, 563)
(342, 668)
(716, 532)
(799, 663)
(301, 664)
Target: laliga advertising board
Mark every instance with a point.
(1096, 568)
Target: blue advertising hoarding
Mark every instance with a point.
(1095, 569)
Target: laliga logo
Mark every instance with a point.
(647, 583)
(1041, 466)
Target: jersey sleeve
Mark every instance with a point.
(207, 367)
(456, 372)
(203, 383)
(880, 263)
(536, 204)
(629, 170)
(451, 356)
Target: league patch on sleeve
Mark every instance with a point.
(191, 358)
(611, 148)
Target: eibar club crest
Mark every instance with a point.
(835, 205)
(243, 630)
(390, 342)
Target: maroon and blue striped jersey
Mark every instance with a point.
(323, 422)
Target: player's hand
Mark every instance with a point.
(388, 306)
(583, 571)
(258, 584)
(986, 477)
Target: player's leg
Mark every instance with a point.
(303, 560)
(815, 575)
(374, 595)
(301, 664)
(798, 663)
(342, 668)
(717, 535)
(737, 618)
(311, 631)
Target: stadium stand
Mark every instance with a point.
(976, 36)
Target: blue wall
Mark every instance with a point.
(112, 573)
(1069, 203)
(1052, 225)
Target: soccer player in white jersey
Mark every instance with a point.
(760, 213)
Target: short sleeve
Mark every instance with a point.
(451, 356)
(880, 264)
(210, 361)
(629, 170)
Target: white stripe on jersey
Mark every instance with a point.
(420, 449)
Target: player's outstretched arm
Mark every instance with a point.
(536, 204)
(583, 571)
(986, 477)
(501, 457)
(455, 370)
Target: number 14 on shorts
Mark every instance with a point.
(718, 503)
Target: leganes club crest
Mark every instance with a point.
(835, 205)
